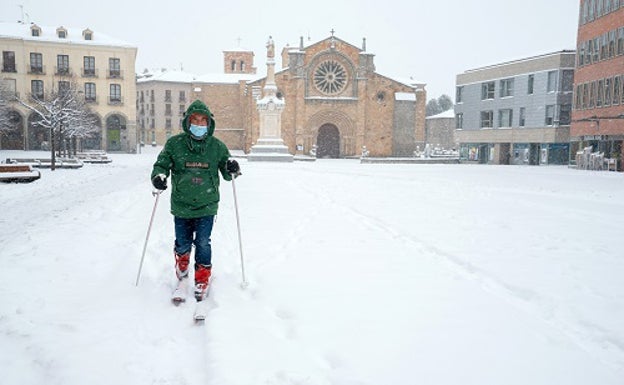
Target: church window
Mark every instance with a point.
(330, 77)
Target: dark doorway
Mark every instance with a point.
(13, 137)
(328, 142)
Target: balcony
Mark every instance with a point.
(62, 71)
(91, 99)
(36, 70)
(89, 72)
(8, 67)
(114, 74)
(114, 100)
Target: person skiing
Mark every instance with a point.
(194, 158)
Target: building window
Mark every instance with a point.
(612, 35)
(578, 97)
(552, 81)
(487, 119)
(330, 77)
(592, 95)
(617, 90)
(550, 115)
(88, 36)
(600, 93)
(62, 64)
(608, 91)
(233, 65)
(114, 67)
(8, 61)
(90, 92)
(62, 34)
(182, 109)
(168, 124)
(36, 63)
(242, 66)
(522, 117)
(585, 98)
(530, 84)
(182, 97)
(36, 89)
(564, 114)
(35, 32)
(567, 80)
(89, 66)
(459, 120)
(505, 117)
(115, 93)
(620, 41)
(63, 87)
(506, 87)
(168, 109)
(459, 91)
(167, 95)
(487, 90)
(152, 96)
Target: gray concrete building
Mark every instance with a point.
(516, 112)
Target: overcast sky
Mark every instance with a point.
(431, 41)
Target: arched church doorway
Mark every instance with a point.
(13, 137)
(328, 142)
(114, 125)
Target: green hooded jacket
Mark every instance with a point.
(194, 165)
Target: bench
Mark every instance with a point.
(47, 163)
(93, 157)
(18, 173)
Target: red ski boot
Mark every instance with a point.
(202, 278)
(182, 264)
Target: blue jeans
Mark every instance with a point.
(194, 231)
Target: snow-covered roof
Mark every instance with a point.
(173, 76)
(446, 114)
(226, 78)
(410, 82)
(405, 96)
(49, 34)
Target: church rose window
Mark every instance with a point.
(330, 77)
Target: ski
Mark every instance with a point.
(180, 292)
(201, 309)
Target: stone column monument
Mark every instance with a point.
(270, 145)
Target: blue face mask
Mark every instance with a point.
(198, 131)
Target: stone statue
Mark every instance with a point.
(270, 48)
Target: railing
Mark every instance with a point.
(114, 74)
(89, 72)
(36, 70)
(91, 99)
(115, 100)
(8, 68)
(62, 71)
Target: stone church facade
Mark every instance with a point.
(336, 104)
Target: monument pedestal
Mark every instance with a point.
(269, 150)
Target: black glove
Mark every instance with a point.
(160, 182)
(233, 168)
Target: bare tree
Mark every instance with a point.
(63, 112)
(5, 109)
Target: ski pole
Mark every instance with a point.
(149, 229)
(240, 242)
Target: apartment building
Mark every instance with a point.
(37, 59)
(516, 112)
(597, 127)
(162, 98)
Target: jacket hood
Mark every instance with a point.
(198, 107)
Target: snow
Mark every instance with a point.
(358, 274)
(448, 114)
(48, 34)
